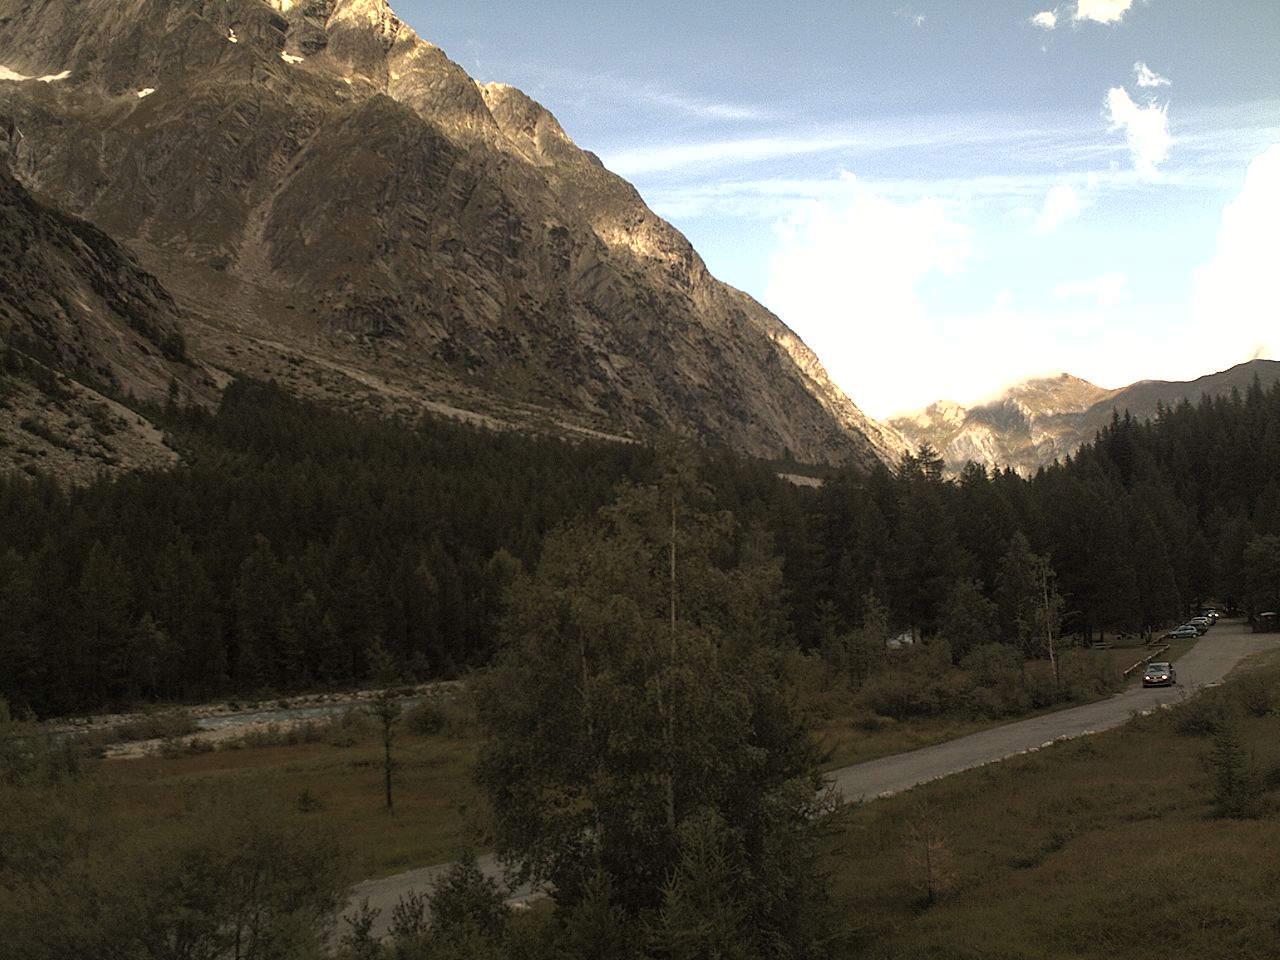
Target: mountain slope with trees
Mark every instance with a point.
(297, 542)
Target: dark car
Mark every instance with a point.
(1159, 674)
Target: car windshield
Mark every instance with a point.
(1157, 668)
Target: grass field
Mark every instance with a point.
(436, 810)
(1107, 847)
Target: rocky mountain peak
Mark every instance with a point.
(1058, 393)
(1039, 420)
(942, 412)
(330, 195)
(527, 124)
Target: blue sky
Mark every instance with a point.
(943, 196)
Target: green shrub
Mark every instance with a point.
(169, 725)
(899, 694)
(1202, 716)
(426, 718)
(1236, 782)
(1256, 694)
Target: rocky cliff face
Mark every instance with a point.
(1038, 421)
(334, 202)
(81, 325)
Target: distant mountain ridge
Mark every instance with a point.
(1041, 420)
(334, 203)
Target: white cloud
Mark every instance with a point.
(1106, 290)
(844, 276)
(692, 106)
(1102, 11)
(1148, 77)
(1145, 128)
(1062, 203)
(1050, 138)
(1046, 19)
(1237, 293)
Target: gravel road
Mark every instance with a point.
(1211, 659)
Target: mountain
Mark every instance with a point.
(1038, 421)
(334, 203)
(84, 325)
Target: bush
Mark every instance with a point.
(1236, 782)
(174, 747)
(994, 664)
(1202, 716)
(158, 726)
(997, 686)
(435, 717)
(993, 703)
(1255, 694)
(899, 694)
(426, 718)
(343, 729)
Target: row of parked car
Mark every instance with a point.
(1160, 673)
(1195, 627)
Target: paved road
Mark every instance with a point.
(1211, 659)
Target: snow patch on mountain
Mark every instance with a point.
(7, 74)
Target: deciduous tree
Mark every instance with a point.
(642, 687)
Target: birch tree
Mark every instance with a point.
(642, 685)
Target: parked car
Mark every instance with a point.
(1199, 626)
(1159, 674)
(1184, 632)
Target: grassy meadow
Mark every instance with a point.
(1105, 847)
(334, 776)
(333, 772)
(1109, 846)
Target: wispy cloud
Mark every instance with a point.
(1046, 19)
(1063, 203)
(631, 93)
(1149, 78)
(693, 106)
(671, 156)
(1018, 137)
(1106, 290)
